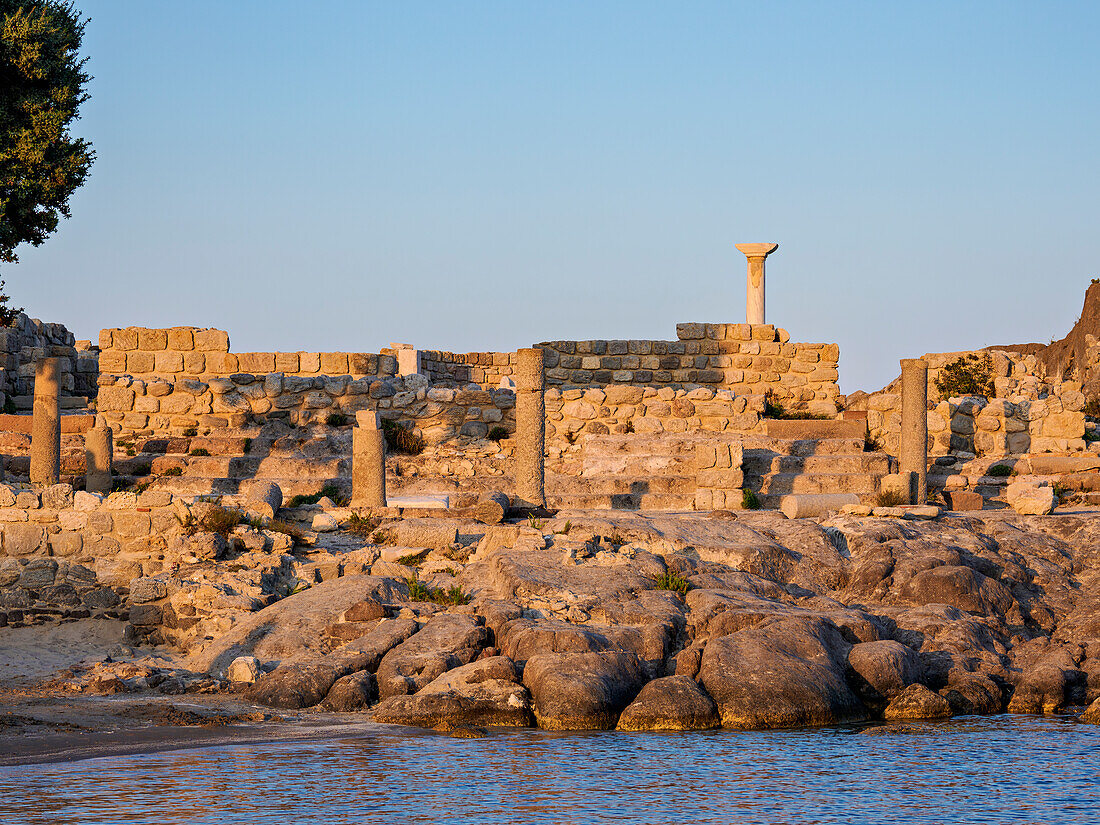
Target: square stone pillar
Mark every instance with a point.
(754, 291)
(913, 445)
(46, 423)
(368, 461)
(408, 359)
(99, 451)
(530, 465)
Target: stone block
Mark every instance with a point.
(23, 539)
(963, 500)
(168, 362)
(112, 362)
(816, 505)
(139, 362)
(211, 340)
(334, 363)
(181, 339)
(115, 399)
(152, 339)
(194, 363)
(256, 363)
(286, 362)
(125, 339)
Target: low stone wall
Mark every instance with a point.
(649, 410)
(193, 351)
(134, 406)
(1027, 413)
(741, 358)
(486, 369)
(26, 342)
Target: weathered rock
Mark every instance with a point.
(351, 693)
(482, 693)
(1030, 499)
(491, 508)
(1092, 713)
(917, 702)
(294, 625)
(879, 671)
(671, 703)
(293, 686)
(784, 673)
(973, 694)
(243, 669)
(1041, 690)
(582, 691)
(446, 641)
(436, 534)
(366, 651)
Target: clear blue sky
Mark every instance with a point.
(468, 176)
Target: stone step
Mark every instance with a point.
(815, 429)
(182, 486)
(639, 465)
(625, 501)
(619, 485)
(247, 467)
(803, 446)
(872, 463)
(67, 402)
(786, 483)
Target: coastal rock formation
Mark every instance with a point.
(582, 691)
(671, 703)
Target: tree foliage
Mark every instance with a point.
(972, 374)
(42, 84)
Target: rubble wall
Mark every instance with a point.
(1027, 413)
(27, 341)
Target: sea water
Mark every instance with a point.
(999, 769)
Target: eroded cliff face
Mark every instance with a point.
(1076, 356)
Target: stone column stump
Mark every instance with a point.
(46, 423)
(530, 466)
(913, 445)
(99, 451)
(368, 461)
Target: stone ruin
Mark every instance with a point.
(726, 416)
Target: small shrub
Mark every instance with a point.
(1062, 492)
(535, 523)
(497, 433)
(330, 491)
(616, 539)
(384, 537)
(564, 531)
(401, 440)
(999, 471)
(420, 592)
(871, 444)
(970, 374)
(671, 580)
(414, 559)
(572, 437)
(247, 446)
(749, 500)
(361, 526)
(773, 409)
(218, 520)
(628, 427)
(200, 451)
(337, 420)
(890, 498)
(1091, 436)
(190, 432)
(173, 471)
(1092, 408)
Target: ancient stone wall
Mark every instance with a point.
(649, 410)
(193, 351)
(487, 369)
(1027, 413)
(741, 358)
(29, 340)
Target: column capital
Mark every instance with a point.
(757, 250)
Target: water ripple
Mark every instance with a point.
(1006, 769)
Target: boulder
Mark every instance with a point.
(1092, 713)
(671, 703)
(1029, 499)
(917, 702)
(879, 671)
(265, 497)
(973, 694)
(483, 693)
(294, 686)
(435, 534)
(243, 670)
(582, 691)
(960, 586)
(351, 693)
(787, 672)
(1041, 690)
(445, 642)
(366, 652)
